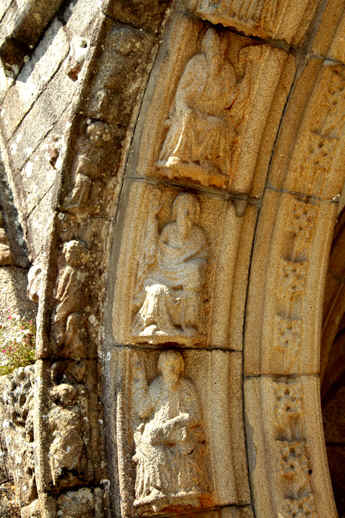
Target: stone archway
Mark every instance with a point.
(263, 84)
(275, 210)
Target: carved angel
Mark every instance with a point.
(169, 441)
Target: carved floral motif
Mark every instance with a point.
(171, 275)
(294, 462)
(322, 141)
(170, 449)
(293, 274)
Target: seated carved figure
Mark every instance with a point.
(168, 303)
(198, 142)
(170, 449)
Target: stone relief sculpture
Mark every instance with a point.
(79, 197)
(198, 140)
(170, 449)
(207, 113)
(69, 294)
(79, 200)
(171, 276)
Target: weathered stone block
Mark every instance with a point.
(82, 503)
(125, 53)
(13, 283)
(4, 7)
(44, 165)
(16, 432)
(34, 77)
(21, 28)
(146, 14)
(38, 226)
(68, 426)
(41, 119)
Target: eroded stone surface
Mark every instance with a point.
(16, 434)
(144, 13)
(21, 27)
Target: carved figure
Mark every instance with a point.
(79, 197)
(171, 275)
(69, 292)
(169, 441)
(198, 142)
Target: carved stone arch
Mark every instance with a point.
(273, 282)
(244, 310)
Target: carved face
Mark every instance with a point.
(185, 211)
(73, 251)
(170, 365)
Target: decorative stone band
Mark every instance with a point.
(283, 416)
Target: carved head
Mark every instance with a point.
(212, 45)
(74, 252)
(171, 366)
(188, 205)
(185, 211)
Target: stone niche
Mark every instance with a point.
(174, 267)
(210, 108)
(178, 422)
